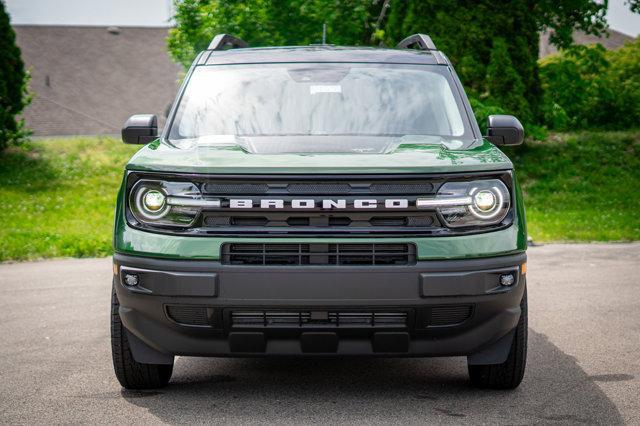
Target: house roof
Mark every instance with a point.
(611, 40)
(89, 80)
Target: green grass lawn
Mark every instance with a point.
(581, 186)
(58, 195)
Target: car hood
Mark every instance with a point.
(403, 157)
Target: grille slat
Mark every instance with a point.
(319, 188)
(290, 220)
(402, 188)
(304, 319)
(189, 315)
(235, 188)
(449, 315)
(313, 187)
(318, 254)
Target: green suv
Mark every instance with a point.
(320, 201)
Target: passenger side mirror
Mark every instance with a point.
(140, 129)
(504, 130)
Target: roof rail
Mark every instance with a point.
(423, 42)
(221, 41)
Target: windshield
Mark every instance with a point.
(311, 100)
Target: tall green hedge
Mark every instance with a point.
(504, 84)
(13, 85)
(466, 30)
(493, 46)
(590, 87)
(270, 23)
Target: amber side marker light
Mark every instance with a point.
(523, 268)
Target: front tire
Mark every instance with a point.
(130, 373)
(509, 374)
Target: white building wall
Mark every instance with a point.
(132, 13)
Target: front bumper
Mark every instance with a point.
(200, 308)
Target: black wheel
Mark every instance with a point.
(132, 374)
(509, 374)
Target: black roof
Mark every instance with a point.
(321, 53)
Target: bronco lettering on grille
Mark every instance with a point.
(337, 204)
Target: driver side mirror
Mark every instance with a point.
(140, 129)
(504, 130)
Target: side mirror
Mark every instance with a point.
(504, 130)
(140, 129)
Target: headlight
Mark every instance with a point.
(150, 203)
(153, 201)
(167, 203)
(484, 200)
(474, 203)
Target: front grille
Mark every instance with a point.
(449, 315)
(307, 319)
(318, 254)
(189, 315)
(230, 188)
(321, 222)
(314, 187)
(317, 205)
(402, 188)
(319, 188)
(318, 220)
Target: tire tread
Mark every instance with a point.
(130, 373)
(510, 373)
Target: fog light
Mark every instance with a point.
(131, 279)
(507, 279)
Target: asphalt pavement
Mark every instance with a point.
(583, 365)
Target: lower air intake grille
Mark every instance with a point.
(296, 319)
(318, 254)
(188, 315)
(449, 315)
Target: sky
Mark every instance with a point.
(157, 13)
(622, 19)
(132, 13)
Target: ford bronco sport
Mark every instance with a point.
(320, 201)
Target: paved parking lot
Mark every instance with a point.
(583, 367)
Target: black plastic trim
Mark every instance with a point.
(505, 176)
(493, 315)
(442, 265)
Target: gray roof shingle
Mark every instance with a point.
(612, 39)
(88, 80)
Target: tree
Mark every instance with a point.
(634, 5)
(13, 85)
(270, 22)
(504, 86)
(464, 29)
(589, 86)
